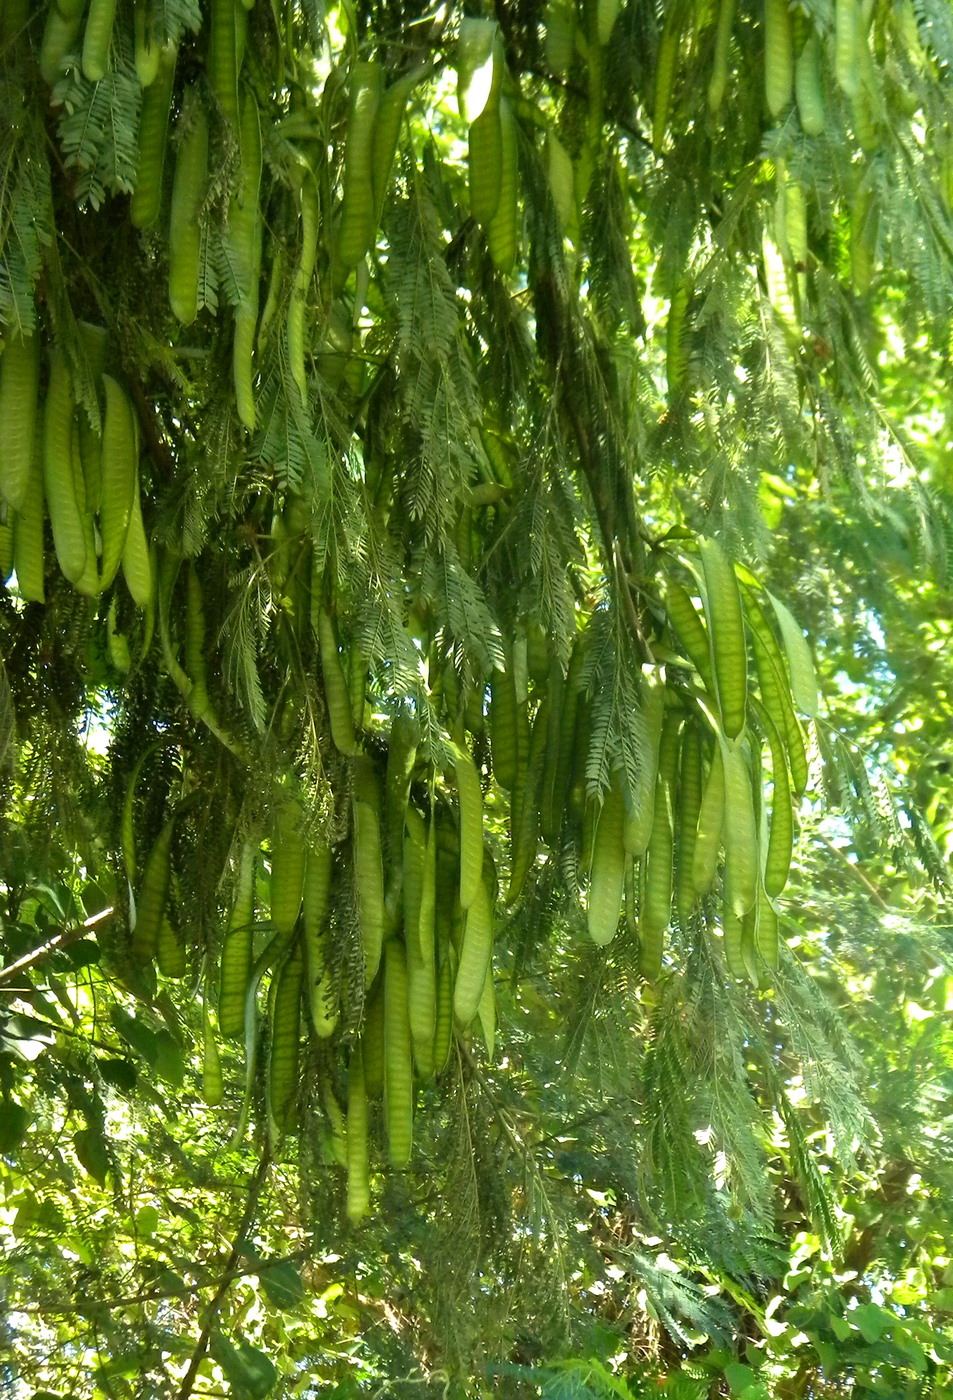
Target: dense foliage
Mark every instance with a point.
(444, 935)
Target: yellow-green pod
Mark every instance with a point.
(486, 1012)
(170, 950)
(778, 56)
(59, 474)
(607, 877)
(358, 1162)
(799, 659)
(562, 182)
(136, 561)
(415, 844)
(288, 856)
(357, 686)
(776, 692)
(298, 302)
(443, 1031)
(245, 229)
(421, 1006)
(198, 697)
(401, 757)
(711, 821)
(665, 74)
(188, 195)
(119, 476)
(559, 795)
(687, 813)
(809, 88)
(470, 798)
(525, 802)
(560, 24)
(19, 387)
(59, 39)
(334, 1135)
(372, 1040)
(607, 12)
(335, 688)
(690, 631)
(358, 212)
(742, 848)
(88, 581)
(398, 1058)
(368, 865)
(237, 950)
(777, 860)
(485, 161)
(733, 938)
(117, 643)
(224, 56)
(322, 990)
(213, 1083)
(98, 36)
(147, 51)
(28, 545)
(727, 632)
(153, 895)
(656, 906)
(427, 918)
(284, 1049)
(387, 124)
(503, 728)
(766, 933)
(153, 139)
(476, 957)
(719, 68)
(640, 804)
(847, 41)
(502, 233)
(676, 342)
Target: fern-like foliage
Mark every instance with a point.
(99, 128)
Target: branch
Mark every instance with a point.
(225, 1282)
(58, 941)
(157, 1295)
(857, 873)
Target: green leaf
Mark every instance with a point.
(872, 1321)
(739, 1377)
(147, 1220)
(14, 1121)
(830, 1357)
(249, 1372)
(169, 1063)
(90, 1147)
(85, 953)
(916, 1353)
(135, 1033)
(282, 1285)
(119, 1074)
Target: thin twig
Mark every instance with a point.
(857, 873)
(225, 1282)
(52, 945)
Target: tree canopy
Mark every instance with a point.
(474, 522)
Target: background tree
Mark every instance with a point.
(403, 418)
